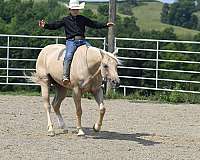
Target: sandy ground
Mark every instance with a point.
(131, 130)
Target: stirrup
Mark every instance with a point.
(65, 80)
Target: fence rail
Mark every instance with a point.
(8, 60)
(157, 50)
(157, 61)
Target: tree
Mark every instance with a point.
(103, 9)
(197, 4)
(165, 13)
(133, 2)
(168, 34)
(180, 14)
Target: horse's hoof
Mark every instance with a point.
(94, 128)
(51, 133)
(64, 129)
(80, 132)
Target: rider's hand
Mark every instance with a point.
(41, 23)
(110, 24)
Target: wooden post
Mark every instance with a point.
(111, 32)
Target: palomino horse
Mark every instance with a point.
(89, 66)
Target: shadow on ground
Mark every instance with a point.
(137, 137)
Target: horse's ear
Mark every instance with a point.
(115, 52)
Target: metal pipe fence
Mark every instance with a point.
(157, 61)
(157, 70)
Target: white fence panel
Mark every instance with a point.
(157, 51)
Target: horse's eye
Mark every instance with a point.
(105, 66)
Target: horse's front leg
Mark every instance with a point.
(77, 101)
(98, 95)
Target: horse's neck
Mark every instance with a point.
(91, 66)
(94, 56)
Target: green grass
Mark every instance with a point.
(92, 6)
(138, 96)
(21, 93)
(148, 18)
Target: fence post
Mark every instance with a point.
(157, 57)
(56, 40)
(8, 52)
(124, 91)
(115, 44)
(104, 43)
(111, 30)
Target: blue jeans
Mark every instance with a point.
(71, 46)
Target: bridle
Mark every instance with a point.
(104, 79)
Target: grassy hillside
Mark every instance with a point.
(148, 16)
(93, 6)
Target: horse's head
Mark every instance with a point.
(109, 68)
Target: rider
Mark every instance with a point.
(74, 25)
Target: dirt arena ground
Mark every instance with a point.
(131, 130)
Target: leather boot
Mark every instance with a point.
(66, 71)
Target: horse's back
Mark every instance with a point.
(49, 56)
(48, 52)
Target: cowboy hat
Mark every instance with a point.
(74, 4)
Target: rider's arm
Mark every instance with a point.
(54, 25)
(94, 24)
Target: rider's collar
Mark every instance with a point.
(72, 15)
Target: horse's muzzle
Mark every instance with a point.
(115, 83)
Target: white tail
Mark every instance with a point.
(34, 78)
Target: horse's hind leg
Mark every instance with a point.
(45, 88)
(60, 94)
(77, 101)
(99, 99)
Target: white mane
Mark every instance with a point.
(110, 55)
